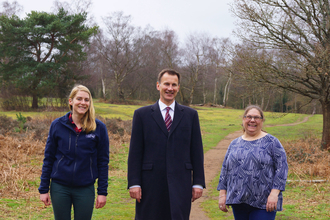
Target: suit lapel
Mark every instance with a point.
(178, 114)
(157, 116)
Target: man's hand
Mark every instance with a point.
(196, 193)
(100, 201)
(136, 193)
(45, 198)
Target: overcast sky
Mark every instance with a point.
(182, 16)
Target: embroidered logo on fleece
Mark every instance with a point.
(92, 136)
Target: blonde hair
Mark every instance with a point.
(247, 109)
(88, 120)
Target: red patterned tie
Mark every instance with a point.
(168, 119)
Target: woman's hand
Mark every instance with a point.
(45, 199)
(222, 201)
(272, 200)
(100, 201)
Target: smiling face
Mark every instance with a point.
(252, 126)
(80, 103)
(168, 88)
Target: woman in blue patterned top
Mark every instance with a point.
(254, 172)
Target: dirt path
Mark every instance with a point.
(212, 164)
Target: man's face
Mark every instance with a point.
(168, 88)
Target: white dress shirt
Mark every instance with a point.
(163, 110)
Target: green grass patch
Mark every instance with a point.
(124, 112)
(119, 204)
(210, 205)
(313, 126)
(306, 201)
(217, 123)
(300, 201)
(30, 208)
(276, 118)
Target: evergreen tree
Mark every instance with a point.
(37, 53)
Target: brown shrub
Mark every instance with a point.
(38, 128)
(306, 159)
(118, 142)
(18, 171)
(117, 125)
(7, 124)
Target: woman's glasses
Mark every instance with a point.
(249, 117)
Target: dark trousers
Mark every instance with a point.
(246, 212)
(64, 197)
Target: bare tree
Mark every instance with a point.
(10, 9)
(219, 54)
(291, 43)
(196, 60)
(74, 6)
(99, 78)
(169, 48)
(123, 49)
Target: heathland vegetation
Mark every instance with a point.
(22, 145)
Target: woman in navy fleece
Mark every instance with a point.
(76, 154)
(254, 172)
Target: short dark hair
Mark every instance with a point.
(170, 72)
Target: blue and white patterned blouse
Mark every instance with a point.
(251, 169)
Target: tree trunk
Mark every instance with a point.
(103, 81)
(295, 102)
(182, 96)
(326, 125)
(270, 94)
(120, 93)
(204, 94)
(215, 92)
(34, 101)
(191, 97)
(226, 91)
(103, 89)
(281, 103)
(262, 100)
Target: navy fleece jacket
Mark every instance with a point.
(75, 159)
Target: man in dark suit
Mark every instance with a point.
(165, 162)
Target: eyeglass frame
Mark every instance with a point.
(249, 117)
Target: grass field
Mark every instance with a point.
(304, 201)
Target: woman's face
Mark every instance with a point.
(252, 125)
(80, 103)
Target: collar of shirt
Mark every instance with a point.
(78, 130)
(162, 108)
